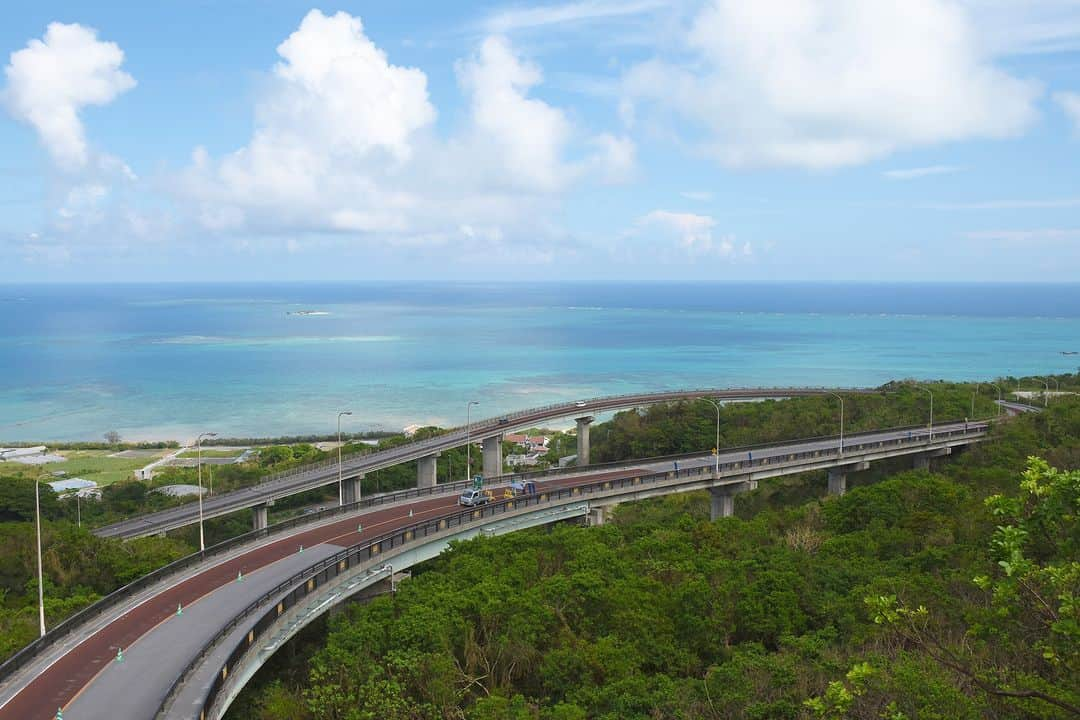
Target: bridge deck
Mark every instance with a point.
(87, 681)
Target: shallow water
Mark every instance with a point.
(170, 361)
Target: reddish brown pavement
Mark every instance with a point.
(65, 678)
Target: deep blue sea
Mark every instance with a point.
(169, 361)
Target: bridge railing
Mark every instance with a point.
(351, 462)
(64, 628)
(307, 581)
(487, 424)
(75, 621)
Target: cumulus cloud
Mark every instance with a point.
(52, 79)
(527, 136)
(1070, 104)
(829, 83)
(346, 141)
(691, 232)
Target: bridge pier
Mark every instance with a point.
(597, 516)
(425, 471)
(583, 439)
(722, 503)
(922, 460)
(838, 476)
(493, 464)
(722, 498)
(350, 489)
(259, 517)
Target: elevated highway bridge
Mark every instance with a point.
(191, 635)
(489, 432)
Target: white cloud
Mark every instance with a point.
(616, 158)
(691, 232)
(920, 172)
(542, 16)
(527, 136)
(1070, 104)
(828, 83)
(1027, 27)
(52, 79)
(345, 142)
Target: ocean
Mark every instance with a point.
(169, 361)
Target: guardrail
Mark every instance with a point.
(494, 423)
(27, 654)
(314, 577)
(66, 626)
(390, 456)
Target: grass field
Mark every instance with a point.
(206, 453)
(97, 466)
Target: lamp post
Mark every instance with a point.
(716, 448)
(998, 387)
(40, 580)
(841, 399)
(468, 444)
(1046, 394)
(198, 446)
(340, 485)
(931, 392)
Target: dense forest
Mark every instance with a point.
(949, 594)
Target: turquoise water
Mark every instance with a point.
(170, 361)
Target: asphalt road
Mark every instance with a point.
(88, 682)
(316, 477)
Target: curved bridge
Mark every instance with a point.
(488, 431)
(191, 639)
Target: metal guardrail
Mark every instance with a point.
(308, 580)
(494, 423)
(390, 456)
(60, 631)
(115, 598)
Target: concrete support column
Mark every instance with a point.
(583, 439)
(922, 460)
(425, 471)
(837, 481)
(838, 476)
(722, 503)
(597, 516)
(258, 517)
(350, 489)
(492, 456)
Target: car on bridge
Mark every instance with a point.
(473, 497)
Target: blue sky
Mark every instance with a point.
(600, 140)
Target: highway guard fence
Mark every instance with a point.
(66, 627)
(309, 580)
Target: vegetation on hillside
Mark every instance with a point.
(924, 595)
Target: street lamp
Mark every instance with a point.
(340, 486)
(998, 387)
(40, 580)
(1046, 394)
(923, 387)
(468, 444)
(841, 399)
(716, 448)
(198, 445)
